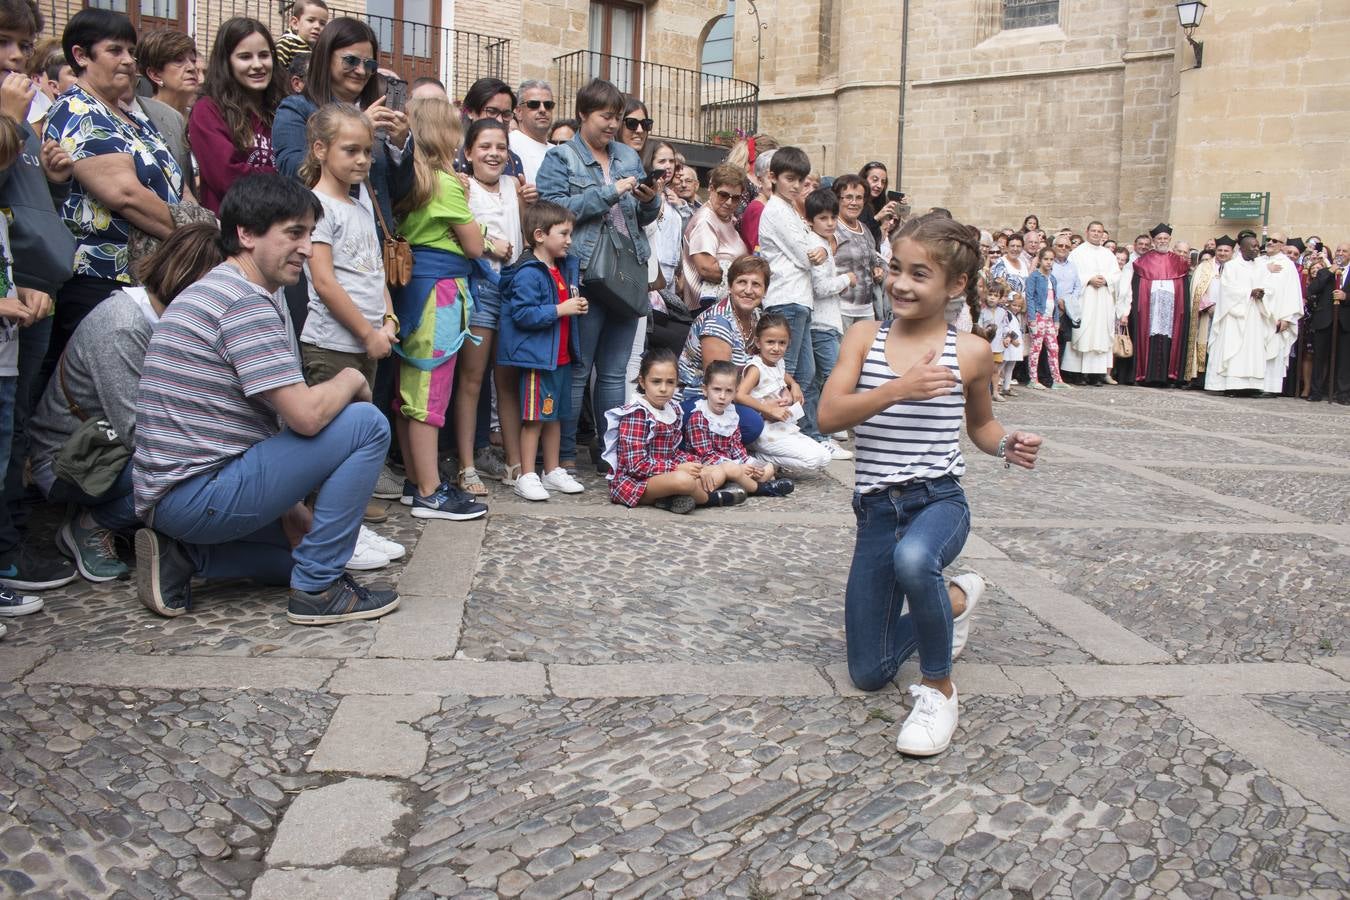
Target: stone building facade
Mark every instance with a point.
(1074, 110)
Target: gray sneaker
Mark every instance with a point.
(490, 462)
(388, 487)
(163, 573)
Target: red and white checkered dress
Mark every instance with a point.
(645, 448)
(712, 449)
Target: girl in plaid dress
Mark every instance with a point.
(712, 432)
(643, 445)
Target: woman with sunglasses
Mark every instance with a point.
(492, 98)
(637, 124)
(711, 241)
(600, 180)
(534, 115)
(342, 69)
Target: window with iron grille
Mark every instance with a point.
(1030, 13)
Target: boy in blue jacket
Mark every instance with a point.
(535, 335)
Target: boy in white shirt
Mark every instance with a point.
(827, 320)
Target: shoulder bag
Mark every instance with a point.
(395, 250)
(614, 278)
(93, 457)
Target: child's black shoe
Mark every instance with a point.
(679, 505)
(775, 487)
(729, 496)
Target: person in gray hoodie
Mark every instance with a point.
(43, 251)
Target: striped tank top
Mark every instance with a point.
(914, 440)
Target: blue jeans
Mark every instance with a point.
(230, 519)
(606, 342)
(115, 508)
(752, 423)
(825, 353)
(33, 342)
(906, 536)
(9, 386)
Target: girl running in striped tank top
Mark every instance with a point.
(903, 387)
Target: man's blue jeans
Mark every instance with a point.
(606, 341)
(906, 536)
(825, 353)
(9, 385)
(230, 519)
(115, 508)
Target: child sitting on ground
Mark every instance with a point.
(712, 432)
(643, 447)
(536, 335)
(767, 388)
(308, 17)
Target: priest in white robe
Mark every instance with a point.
(1283, 305)
(1089, 349)
(1237, 344)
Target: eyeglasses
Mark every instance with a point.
(725, 196)
(492, 112)
(350, 62)
(633, 124)
(535, 104)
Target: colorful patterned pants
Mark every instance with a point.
(1044, 333)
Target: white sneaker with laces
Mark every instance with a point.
(366, 556)
(929, 728)
(530, 487)
(559, 480)
(973, 585)
(391, 549)
(836, 451)
(840, 436)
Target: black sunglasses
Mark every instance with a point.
(352, 61)
(535, 104)
(633, 124)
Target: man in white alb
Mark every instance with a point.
(534, 115)
(1089, 350)
(1283, 307)
(1237, 342)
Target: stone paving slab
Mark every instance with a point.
(127, 670)
(350, 822)
(147, 793)
(1320, 497)
(1132, 447)
(734, 797)
(460, 677)
(1200, 597)
(336, 883)
(1253, 422)
(660, 679)
(1195, 679)
(1333, 451)
(1325, 715)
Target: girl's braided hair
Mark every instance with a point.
(953, 246)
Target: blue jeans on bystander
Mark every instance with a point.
(825, 353)
(907, 535)
(229, 520)
(605, 340)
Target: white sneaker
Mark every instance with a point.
(391, 549)
(973, 585)
(559, 480)
(366, 556)
(837, 452)
(840, 436)
(930, 725)
(530, 487)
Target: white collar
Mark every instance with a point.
(666, 416)
(142, 298)
(724, 425)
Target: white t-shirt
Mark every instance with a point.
(9, 331)
(500, 212)
(38, 108)
(349, 228)
(530, 151)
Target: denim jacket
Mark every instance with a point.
(570, 176)
(1038, 295)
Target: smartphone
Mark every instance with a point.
(396, 94)
(895, 196)
(652, 176)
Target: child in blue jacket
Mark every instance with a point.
(535, 335)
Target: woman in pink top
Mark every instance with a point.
(711, 241)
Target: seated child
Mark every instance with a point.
(767, 388)
(642, 446)
(712, 431)
(308, 17)
(536, 336)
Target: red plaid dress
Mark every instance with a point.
(646, 448)
(712, 449)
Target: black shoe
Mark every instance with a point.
(728, 496)
(343, 601)
(775, 487)
(25, 570)
(681, 505)
(163, 573)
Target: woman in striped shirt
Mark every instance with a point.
(902, 386)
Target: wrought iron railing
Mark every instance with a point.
(686, 105)
(412, 49)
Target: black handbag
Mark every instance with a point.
(614, 278)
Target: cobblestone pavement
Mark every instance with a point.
(577, 700)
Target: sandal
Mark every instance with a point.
(471, 483)
(510, 475)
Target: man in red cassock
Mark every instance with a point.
(1160, 313)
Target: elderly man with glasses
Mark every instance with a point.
(1068, 308)
(534, 116)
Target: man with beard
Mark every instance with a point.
(1237, 348)
(1159, 313)
(1328, 310)
(1204, 297)
(1088, 352)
